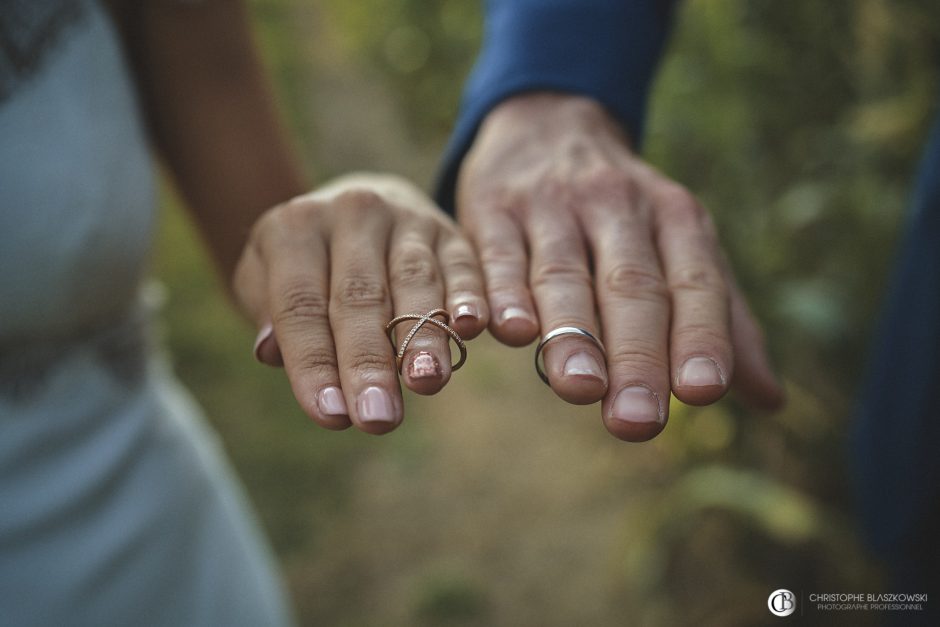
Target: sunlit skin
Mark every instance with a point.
(329, 269)
(573, 229)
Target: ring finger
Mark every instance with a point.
(360, 307)
(563, 291)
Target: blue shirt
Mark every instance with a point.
(608, 50)
(605, 49)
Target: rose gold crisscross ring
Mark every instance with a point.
(423, 319)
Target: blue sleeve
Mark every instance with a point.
(603, 49)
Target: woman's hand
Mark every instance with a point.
(323, 273)
(574, 230)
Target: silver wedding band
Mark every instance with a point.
(560, 331)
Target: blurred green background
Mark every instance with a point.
(798, 124)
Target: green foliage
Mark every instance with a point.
(421, 47)
(450, 599)
(798, 124)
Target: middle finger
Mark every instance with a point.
(360, 307)
(634, 309)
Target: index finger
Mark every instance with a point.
(298, 287)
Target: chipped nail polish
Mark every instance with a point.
(424, 366)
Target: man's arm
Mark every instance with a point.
(605, 50)
(573, 229)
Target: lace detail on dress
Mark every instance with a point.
(120, 348)
(29, 29)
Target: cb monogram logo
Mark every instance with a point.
(781, 602)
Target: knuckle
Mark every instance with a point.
(358, 290)
(632, 281)
(359, 198)
(506, 291)
(557, 186)
(607, 176)
(454, 246)
(637, 355)
(500, 253)
(463, 265)
(414, 265)
(366, 363)
(617, 194)
(504, 199)
(361, 205)
(611, 184)
(301, 303)
(564, 261)
(318, 363)
(679, 203)
(295, 213)
(698, 278)
(555, 272)
(284, 223)
(700, 335)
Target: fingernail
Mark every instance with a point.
(265, 334)
(330, 402)
(466, 310)
(699, 372)
(424, 366)
(375, 405)
(515, 313)
(636, 404)
(583, 364)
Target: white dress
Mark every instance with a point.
(117, 506)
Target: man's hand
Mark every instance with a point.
(574, 230)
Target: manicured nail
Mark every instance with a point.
(330, 402)
(583, 364)
(699, 372)
(636, 404)
(424, 366)
(466, 310)
(264, 335)
(515, 313)
(375, 405)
